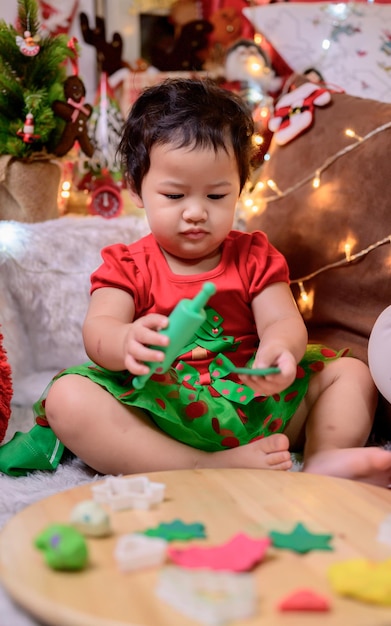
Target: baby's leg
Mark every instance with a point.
(341, 404)
(115, 439)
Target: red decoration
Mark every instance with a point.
(57, 16)
(210, 7)
(304, 600)
(5, 390)
(105, 199)
(27, 132)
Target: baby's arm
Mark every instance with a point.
(283, 338)
(114, 340)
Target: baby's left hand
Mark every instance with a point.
(272, 383)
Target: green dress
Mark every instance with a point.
(221, 414)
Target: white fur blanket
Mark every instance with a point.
(45, 270)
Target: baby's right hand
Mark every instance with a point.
(142, 334)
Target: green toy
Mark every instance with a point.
(63, 547)
(256, 371)
(187, 317)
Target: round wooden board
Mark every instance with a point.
(227, 502)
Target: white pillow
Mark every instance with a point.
(379, 350)
(45, 270)
(358, 59)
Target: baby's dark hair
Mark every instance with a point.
(185, 112)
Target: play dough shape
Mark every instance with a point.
(364, 580)
(177, 530)
(121, 492)
(300, 540)
(90, 518)
(63, 547)
(304, 600)
(239, 554)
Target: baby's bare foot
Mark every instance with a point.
(370, 465)
(267, 453)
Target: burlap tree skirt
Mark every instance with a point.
(28, 189)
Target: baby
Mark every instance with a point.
(187, 150)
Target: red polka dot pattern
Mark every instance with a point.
(196, 409)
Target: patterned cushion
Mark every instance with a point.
(349, 44)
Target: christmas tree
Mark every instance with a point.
(32, 75)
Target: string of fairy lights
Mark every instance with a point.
(314, 176)
(254, 201)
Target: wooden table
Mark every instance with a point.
(227, 502)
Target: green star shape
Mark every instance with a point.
(177, 530)
(300, 539)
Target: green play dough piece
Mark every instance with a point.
(177, 530)
(63, 547)
(300, 540)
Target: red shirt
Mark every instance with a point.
(248, 264)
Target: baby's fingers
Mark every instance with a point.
(146, 330)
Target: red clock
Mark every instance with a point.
(106, 200)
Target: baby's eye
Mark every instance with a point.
(173, 196)
(216, 196)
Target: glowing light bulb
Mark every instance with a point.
(303, 293)
(255, 67)
(258, 39)
(350, 133)
(316, 181)
(258, 140)
(306, 300)
(346, 246)
(273, 186)
(248, 203)
(326, 43)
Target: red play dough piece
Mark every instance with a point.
(304, 600)
(241, 553)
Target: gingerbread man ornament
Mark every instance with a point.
(76, 114)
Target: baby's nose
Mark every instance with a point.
(195, 212)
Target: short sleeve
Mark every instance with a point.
(265, 264)
(119, 270)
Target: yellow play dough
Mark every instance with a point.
(369, 581)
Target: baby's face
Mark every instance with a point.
(190, 197)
